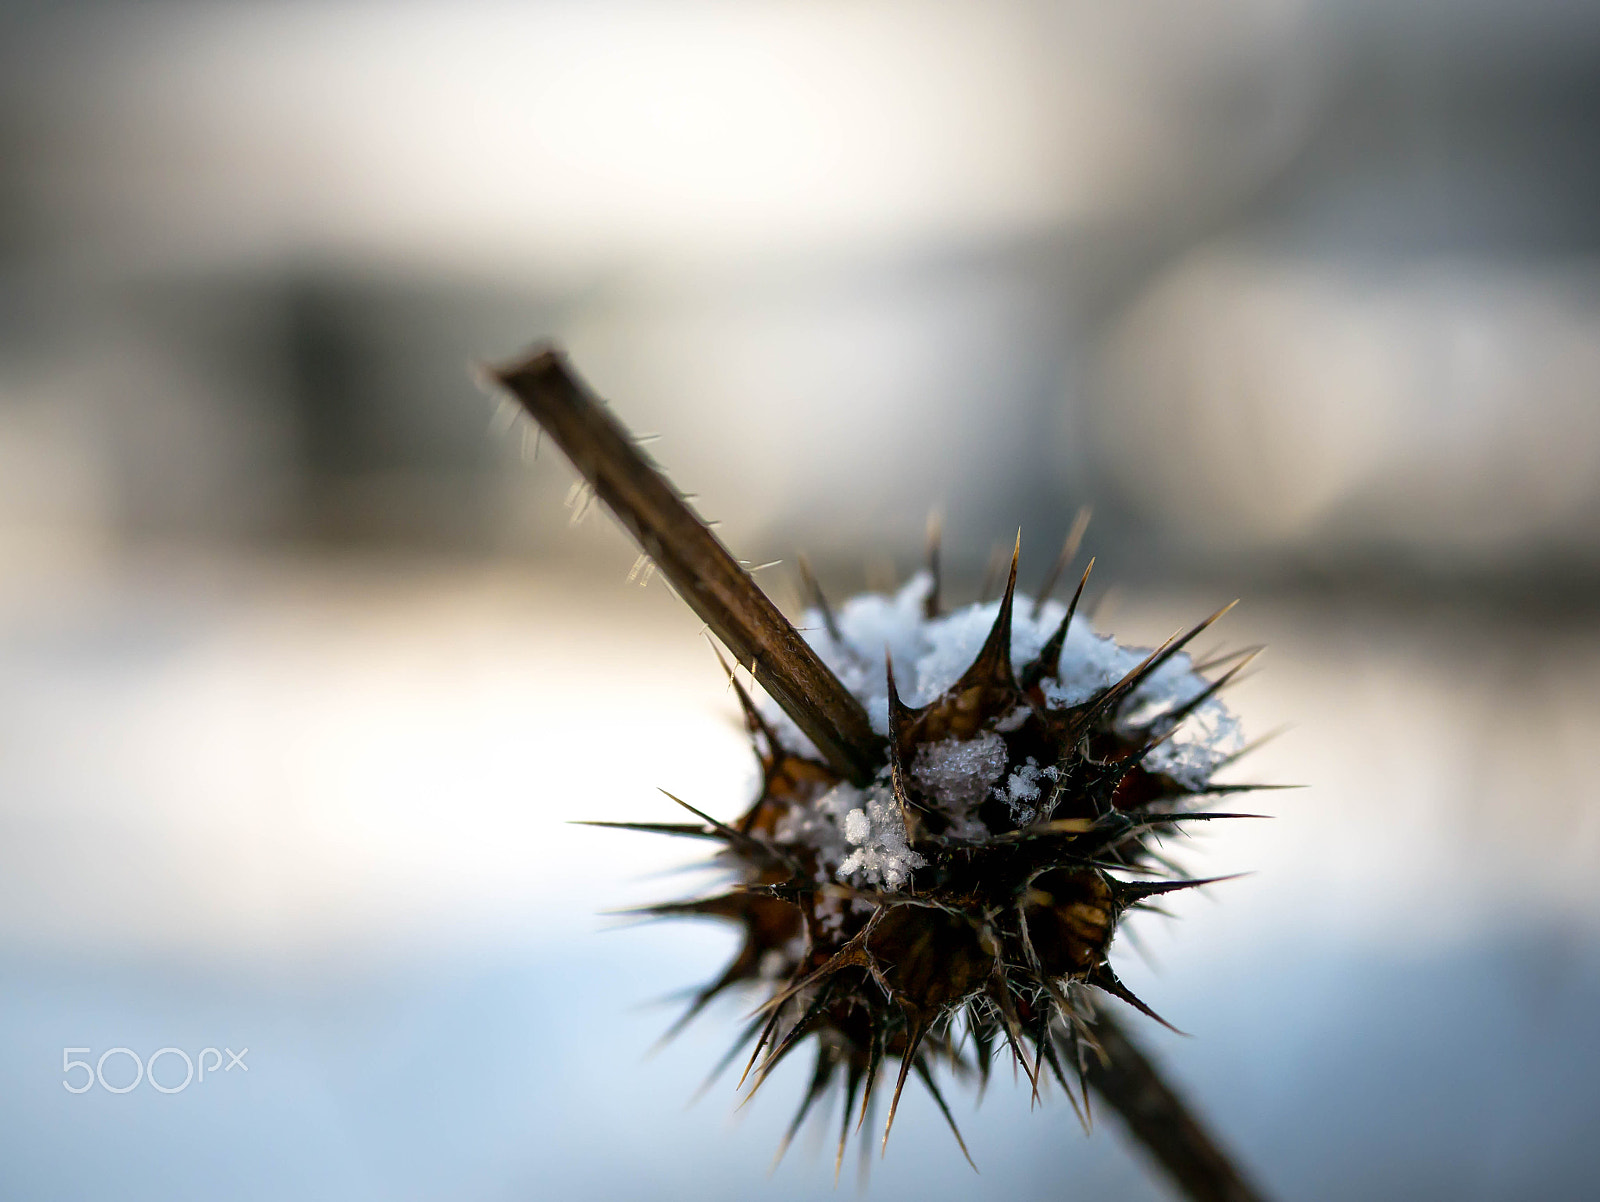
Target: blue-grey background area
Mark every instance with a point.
(517, 1073)
(320, 810)
(305, 667)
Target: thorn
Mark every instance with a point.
(850, 954)
(1011, 580)
(874, 1062)
(1051, 1058)
(993, 664)
(727, 1058)
(1130, 892)
(738, 838)
(701, 999)
(983, 1045)
(809, 585)
(793, 1035)
(1112, 695)
(720, 905)
(1011, 1027)
(930, 604)
(643, 568)
(821, 1074)
(1153, 663)
(1177, 714)
(1216, 661)
(1039, 1039)
(1147, 908)
(1048, 662)
(1224, 789)
(1044, 830)
(753, 721)
(1069, 551)
(926, 1074)
(1252, 746)
(899, 717)
(1173, 648)
(688, 830)
(851, 1085)
(766, 1034)
(505, 412)
(913, 1040)
(1103, 978)
(864, 1148)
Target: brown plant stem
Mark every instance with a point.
(699, 567)
(1160, 1120)
(723, 594)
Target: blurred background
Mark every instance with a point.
(304, 663)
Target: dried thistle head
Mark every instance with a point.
(956, 812)
(969, 892)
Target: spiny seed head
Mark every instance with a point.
(968, 894)
(953, 866)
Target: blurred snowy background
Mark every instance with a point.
(302, 668)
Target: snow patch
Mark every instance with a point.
(958, 773)
(882, 857)
(1022, 790)
(929, 656)
(858, 836)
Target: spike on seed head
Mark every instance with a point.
(1048, 662)
(956, 885)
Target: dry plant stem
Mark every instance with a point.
(699, 567)
(1159, 1120)
(739, 613)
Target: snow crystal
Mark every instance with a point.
(1022, 789)
(820, 826)
(882, 856)
(858, 835)
(958, 773)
